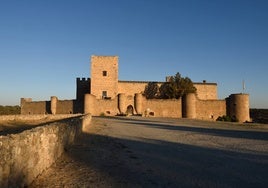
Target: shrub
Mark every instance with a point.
(227, 118)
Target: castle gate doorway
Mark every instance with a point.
(130, 110)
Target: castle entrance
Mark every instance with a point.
(130, 110)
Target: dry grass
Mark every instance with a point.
(16, 126)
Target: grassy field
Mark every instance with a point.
(9, 110)
(14, 127)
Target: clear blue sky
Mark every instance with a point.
(45, 45)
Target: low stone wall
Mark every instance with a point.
(26, 155)
(36, 117)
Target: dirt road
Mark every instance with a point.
(155, 152)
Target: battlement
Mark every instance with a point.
(104, 56)
(143, 82)
(205, 83)
(82, 79)
(24, 100)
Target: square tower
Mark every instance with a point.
(104, 76)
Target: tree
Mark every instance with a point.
(176, 87)
(151, 90)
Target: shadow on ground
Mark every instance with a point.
(258, 135)
(99, 160)
(154, 163)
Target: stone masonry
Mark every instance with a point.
(105, 94)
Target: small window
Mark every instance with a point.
(104, 94)
(104, 73)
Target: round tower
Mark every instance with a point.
(138, 103)
(122, 103)
(239, 107)
(189, 105)
(89, 104)
(53, 104)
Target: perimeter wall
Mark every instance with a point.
(29, 107)
(210, 109)
(162, 108)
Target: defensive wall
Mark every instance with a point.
(26, 155)
(131, 87)
(189, 106)
(54, 106)
(210, 109)
(205, 91)
(104, 106)
(104, 94)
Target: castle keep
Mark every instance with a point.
(104, 94)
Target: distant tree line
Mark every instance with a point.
(9, 110)
(174, 88)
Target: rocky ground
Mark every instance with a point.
(155, 152)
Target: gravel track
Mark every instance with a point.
(162, 152)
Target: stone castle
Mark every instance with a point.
(104, 94)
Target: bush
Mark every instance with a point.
(227, 118)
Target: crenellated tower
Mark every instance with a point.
(82, 88)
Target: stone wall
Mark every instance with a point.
(106, 107)
(210, 109)
(97, 107)
(205, 91)
(199, 109)
(25, 155)
(44, 107)
(36, 117)
(131, 87)
(65, 107)
(158, 107)
(36, 107)
(162, 108)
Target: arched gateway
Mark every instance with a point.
(130, 110)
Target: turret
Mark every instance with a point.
(238, 106)
(138, 103)
(189, 105)
(53, 105)
(89, 104)
(122, 103)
